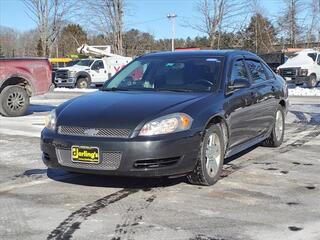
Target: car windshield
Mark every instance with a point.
(85, 62)
(168, 74)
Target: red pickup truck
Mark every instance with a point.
(21, 78)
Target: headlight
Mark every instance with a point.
(171, 123)
(51, 119)
(72, 73)
(304, 72)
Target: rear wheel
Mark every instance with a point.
(83, 83)
(14, 101)
(210, 160)
(312, 82)
(277, 134)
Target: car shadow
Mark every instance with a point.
(112, 181)
(242, 153)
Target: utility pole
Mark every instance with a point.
(172, 18)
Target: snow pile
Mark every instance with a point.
(75, 89)
(300, 91)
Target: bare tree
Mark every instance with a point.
(216, 16)
(289, 23)
(106, 16)
(314, 26)
(49, 15)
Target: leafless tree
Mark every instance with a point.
(314, 26)
(49, 15)
(289, 22)
(216, 16)
(106, 16)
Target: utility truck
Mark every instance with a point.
(91, 70)
(302, 67)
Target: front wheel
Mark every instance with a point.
(312, 82)
(277, 134)
(210, 160)
(82, 83)
(14, 101)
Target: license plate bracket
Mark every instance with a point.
(84, 154)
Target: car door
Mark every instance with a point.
(263, 90)
(98, 72)
(238, 105)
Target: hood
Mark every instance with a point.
(301, 60)
(122, 110)
(75, 68)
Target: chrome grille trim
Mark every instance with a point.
(100, 132)
(108, 160)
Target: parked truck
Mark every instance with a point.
(302, 67)
(21, 78)
(91, 70)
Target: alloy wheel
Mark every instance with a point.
(213, 155)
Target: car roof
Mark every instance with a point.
(199, 53)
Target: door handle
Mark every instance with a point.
(273, 89)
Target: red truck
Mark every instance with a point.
(21, 78)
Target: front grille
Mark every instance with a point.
(156, 163)
(108, 160)
(63, 74)
(94, 132)
(289, 72)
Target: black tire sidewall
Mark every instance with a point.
(217, 130)
(3, 101)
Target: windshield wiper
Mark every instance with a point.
(173, 90)
(114, 89)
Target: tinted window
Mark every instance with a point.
(256, 70)
(84, 62)
(313, 56)
(238, 71)
(318, 59)
(268, 72)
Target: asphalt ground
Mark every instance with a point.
(264, 193)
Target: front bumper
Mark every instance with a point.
(65, 82)
(142, 157)
(296, 79)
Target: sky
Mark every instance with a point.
(145, 15)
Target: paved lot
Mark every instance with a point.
(265, 193)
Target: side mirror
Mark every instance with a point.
(239, 83)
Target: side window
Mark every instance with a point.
(99, 64)
(313, 56)
(318, 59)
(257, 71)
(268, 72)
(238, 71)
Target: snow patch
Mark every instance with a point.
(75, 89)
(300, 91)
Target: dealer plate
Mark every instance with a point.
(85, 154)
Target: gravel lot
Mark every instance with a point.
(265, 193)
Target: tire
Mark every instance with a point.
(82, 83)
(204, 174)
(276, 137)
(14, 101)
(312, 82)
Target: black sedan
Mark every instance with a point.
(168, 114)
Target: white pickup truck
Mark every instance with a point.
(302, 67)
(89, 71)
